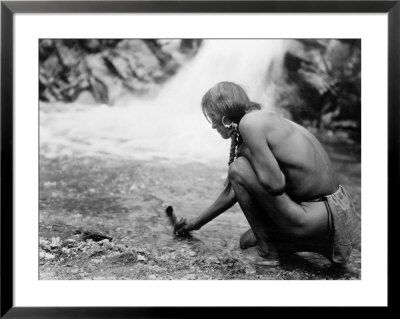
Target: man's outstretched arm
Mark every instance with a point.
(224, 201)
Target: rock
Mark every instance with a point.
(213, 260)
(70, 242)
(91, 268)
(121, 247)
(152, 277)
(55, 242)
(164, 257)
(192, 254)
(141, 258)
(190, 277)
(65, 250)
(94, 235)
(49, 256)
(156, 268)
(45, 245)
(49, 184)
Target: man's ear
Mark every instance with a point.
(227, 122)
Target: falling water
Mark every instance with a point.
(170, 126)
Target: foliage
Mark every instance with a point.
(322, 84)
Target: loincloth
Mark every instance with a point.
(345, 225)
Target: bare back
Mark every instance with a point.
(302, 159)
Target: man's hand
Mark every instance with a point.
(183, 227)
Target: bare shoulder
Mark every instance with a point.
(267, 121)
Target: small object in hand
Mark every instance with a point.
(170, 213)
(174, 221)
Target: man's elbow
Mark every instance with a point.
(276, 186)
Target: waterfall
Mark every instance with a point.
(171, 125)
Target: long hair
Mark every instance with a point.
(231, 100)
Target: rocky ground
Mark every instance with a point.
(104, 218)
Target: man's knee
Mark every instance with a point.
(238, 170)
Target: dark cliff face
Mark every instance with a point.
(107, 68)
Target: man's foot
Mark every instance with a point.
(265, 252)
(270, 259)
(247, 240)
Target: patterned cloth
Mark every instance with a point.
(346, 225)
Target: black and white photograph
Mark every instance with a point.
(199, 159)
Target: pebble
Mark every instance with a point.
(44, 243)
(152, 277)
(165, 257)
(71, 242)
(213, 260)
(91, 268)
(192, 254)
(49, 184)
(121, 247)
(190, 277)
(250, 271)
(55, 242)
(49, 256)
(141, 258)
(156, 268)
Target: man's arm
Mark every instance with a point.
(254, 131)
(224, 201)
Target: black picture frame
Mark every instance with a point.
(9, 8)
